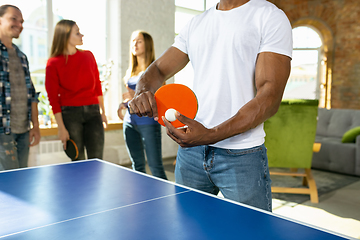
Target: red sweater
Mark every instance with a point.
(72, 83)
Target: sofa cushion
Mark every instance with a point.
(350, 136)
(335, 122)
(321, 139)
(335, 156)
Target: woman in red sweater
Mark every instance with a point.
(74, 90)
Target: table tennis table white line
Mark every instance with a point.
(96, 213)
(195, 190)
(232, 201)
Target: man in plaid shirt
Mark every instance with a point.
(19, 126)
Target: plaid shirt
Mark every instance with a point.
(5, 98)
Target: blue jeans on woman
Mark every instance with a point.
(86, 129)
(14, 150)
(241, 175)
(144, 137)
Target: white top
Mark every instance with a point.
(222, 47)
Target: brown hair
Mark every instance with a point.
(149, 54)
(4, 8)
(61, 37)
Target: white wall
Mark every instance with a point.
(124, 17)
(158, 19)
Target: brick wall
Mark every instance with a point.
(342, 17)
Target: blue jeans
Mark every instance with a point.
(144, 137)
(86, 129)
(14, 150)
(241, 175)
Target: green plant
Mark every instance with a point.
(44, 104)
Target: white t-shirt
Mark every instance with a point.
(222, 47)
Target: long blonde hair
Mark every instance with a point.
(61, 37)
(149, 54)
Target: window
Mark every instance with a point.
(197, 5)
(304, 80)
(40, 17)
(191, 4)
(91, 22)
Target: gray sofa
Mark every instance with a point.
(334, 155)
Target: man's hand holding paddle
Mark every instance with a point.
(174, 106)
(193, 134)
(144, 105)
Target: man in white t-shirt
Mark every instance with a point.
(241, 52)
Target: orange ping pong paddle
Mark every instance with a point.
(176, 96)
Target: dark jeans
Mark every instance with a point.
(145, 138)
(85, 128)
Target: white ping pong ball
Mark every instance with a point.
(170, 114)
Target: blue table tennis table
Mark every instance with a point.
(95, 199)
